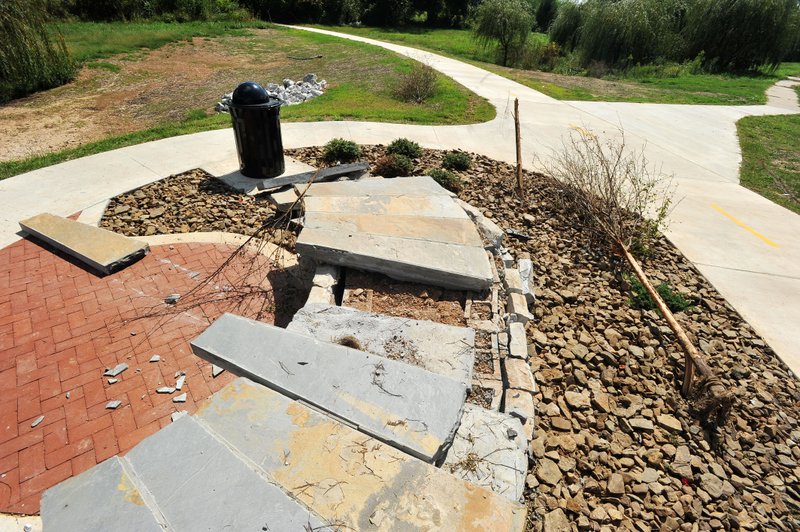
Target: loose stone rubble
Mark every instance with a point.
(289, 92)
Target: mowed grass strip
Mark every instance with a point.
(672, 84)
(361, 81)
(771, 157)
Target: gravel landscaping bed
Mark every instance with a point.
(616, 446)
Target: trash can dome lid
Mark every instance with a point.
(250, 93)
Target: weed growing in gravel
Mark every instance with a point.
(456, 160)
(341, 150)
(447, 179)
(403, 146)
(394, 165)
(676, 301)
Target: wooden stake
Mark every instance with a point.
(520, 188)
(693, 360)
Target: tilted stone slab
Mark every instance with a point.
(345, 477)
(103, 498)
(103, 250)
(490, 450)
(436, 263)
(444, 230)
(408, 407)
(410, 229)
(442, 349)
(199, 484)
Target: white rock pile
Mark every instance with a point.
(289, 92)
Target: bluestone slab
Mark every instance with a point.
(410, 229)
(103, 498)
(345, 477)
(489, 450)
(103, 250)
(439, 348)
(408, 407)
(199, 484)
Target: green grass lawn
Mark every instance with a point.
(639, 85)
(361, 82)
(771, 157)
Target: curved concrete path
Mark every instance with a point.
(745, 245)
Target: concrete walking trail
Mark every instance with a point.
(748, 247)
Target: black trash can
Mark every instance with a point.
(257, 128)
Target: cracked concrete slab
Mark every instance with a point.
(489, 450)
(409, 228)
(345, 477)
(442, 349)
(408, 407)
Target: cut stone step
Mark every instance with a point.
(438, 348)
(103, 250)
(102, 498)
(489, 450)
(410, 229)
(343, 476)
(403, 405)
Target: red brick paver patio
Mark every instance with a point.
(60, 327)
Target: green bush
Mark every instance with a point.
(456, 160)
(406, 147)
(417, 85)
(675, 301)
(341, 150)
(447, 179)
(33, 55)
(394, 165)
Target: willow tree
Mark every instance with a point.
(506, 23)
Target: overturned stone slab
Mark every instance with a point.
(101, 498)
(408, 407)
(489, 450)
(410, 229)
(343, 476)
(103, 250)
(438, 348)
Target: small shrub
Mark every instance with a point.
(675, 301)
(394, 165)
(457, 160)
(417, 85)
(341, 150)
(447, 179)
(406, 147)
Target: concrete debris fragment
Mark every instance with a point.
(177, 415)
(116, 370)
(165, 389)
(113, 381)
(216, 370)
(179, 383)
(526, 275)
(155, 358)
(179, 398)
(37, 421)
(172, 299)
(113, 405)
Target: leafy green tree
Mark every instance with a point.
(546, 14)
(506, 23)
(564, 30)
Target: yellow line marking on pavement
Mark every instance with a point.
(743, 225)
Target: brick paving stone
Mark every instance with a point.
(61, 326)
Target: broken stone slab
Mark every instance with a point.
(103, 497)
(488, 229)
(399, 186)
(155, 358)
(103, 250)
(449, 266)
(526, 276)
(519, 404)
(438, 348)
(37, 421)
(116, 370)
(489, 450)
(518, 341)
(229, 173)
(165, 389)
(205, 466)
(216, 370)
(179, 398)
(284, 200)
(343, 476)
(179, 382)
(517, 307)
(408, 407)
(113, 405)
(412, 204)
